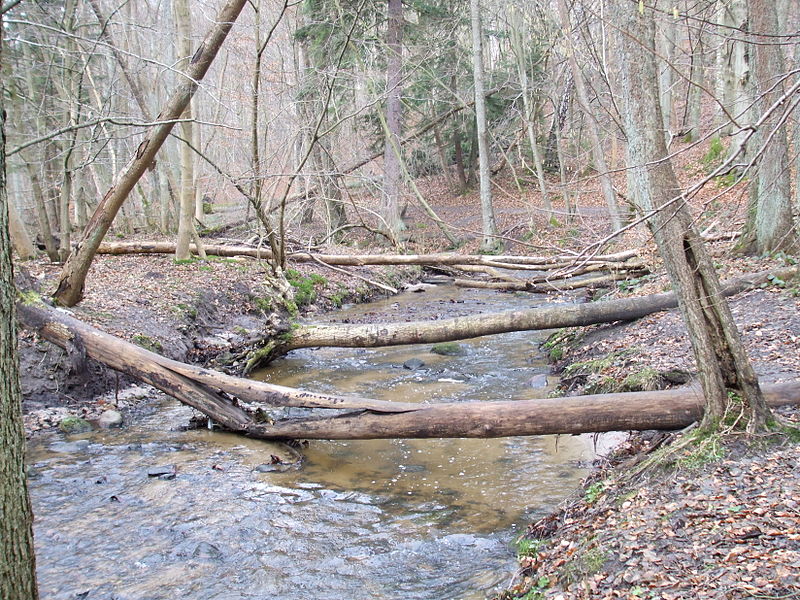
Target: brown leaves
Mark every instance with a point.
(732, 531)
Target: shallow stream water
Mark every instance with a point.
(393, 519)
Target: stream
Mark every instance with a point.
(378, 519)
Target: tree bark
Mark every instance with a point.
(770, 223)
(528, 263)
(73, 275)
(17, 562)
(491, 243)
(721, 358)
(665, 410)
(45, 228)
(20, 239)
(392, 170)
(200, 388)
(519, 47)
(183, 30)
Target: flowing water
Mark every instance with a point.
(380, 519)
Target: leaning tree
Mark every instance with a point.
(722, 360)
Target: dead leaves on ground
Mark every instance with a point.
(731, 531)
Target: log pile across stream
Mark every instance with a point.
(225, 398)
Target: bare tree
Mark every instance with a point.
(598, 153)
(73, 276)
(491, 243)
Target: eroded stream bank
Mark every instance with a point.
(380, 519)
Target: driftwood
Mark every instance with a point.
(530, 263)
(219, 396)
(445, 330)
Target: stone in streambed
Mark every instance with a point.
(413, 364)
(69, 447)
(538, 381)
(109, 419)
(74, 425)
(206, 550)
(163, 472)
(448, 349)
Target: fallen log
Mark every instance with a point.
(554, 285)
(665, 410)
(175, 378)
(459, 328)
(533, 263)
(217, 395)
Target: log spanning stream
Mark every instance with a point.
(381, 519)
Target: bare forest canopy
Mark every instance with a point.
(319, 120)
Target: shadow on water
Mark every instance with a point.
(411, 519)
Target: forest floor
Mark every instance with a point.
(722, 522)
(717, 519)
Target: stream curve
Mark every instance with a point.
(410, 519)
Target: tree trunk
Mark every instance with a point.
(45, 228)
(518, 44)
(445, 330)
(721, 359)
(665, 42)
(697, 80)
(200, 388)
(17, 562)
(665, 410)
(491, 243)
(68, 94)
(770, 223)
(183, 30)
(20, 239)
(526, 263)
(392, 170)
(598, 154)
(73, 276)
(458, 150)
(552, 159)
(738, 93)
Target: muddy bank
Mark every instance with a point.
(193, 312)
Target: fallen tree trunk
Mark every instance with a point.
(445, 330)
(548, 285)
(173, 377)
(666, 410)
(532, 263)
(216, 395)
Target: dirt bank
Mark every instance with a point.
(194, 311)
